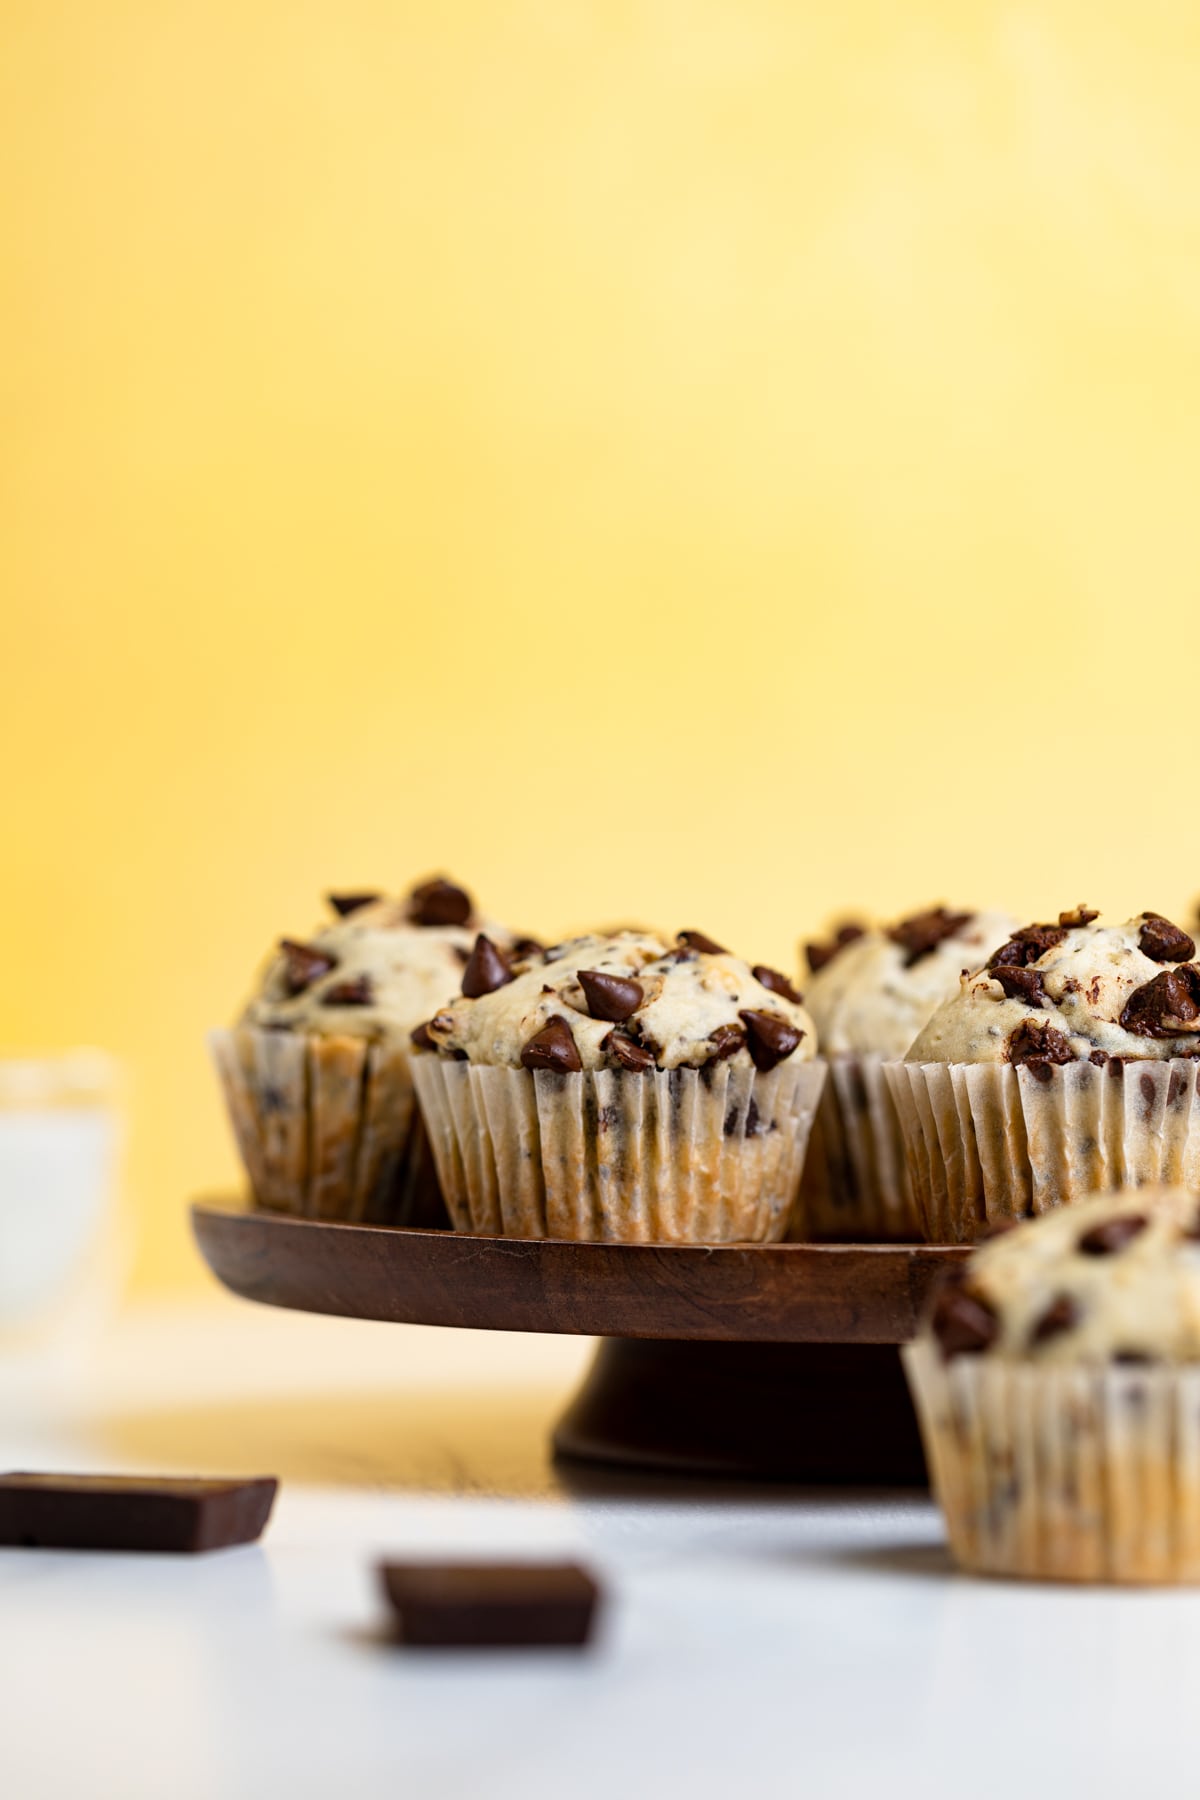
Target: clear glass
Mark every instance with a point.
(59, 1141)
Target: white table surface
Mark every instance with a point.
(757, 1642)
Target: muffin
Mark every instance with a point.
(870, 993)
(619, 1088)
(1065, 1067)
(1057, 1383)
(316, 1073)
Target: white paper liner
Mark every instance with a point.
(325, 1125)
(990, 1141)
(684, 1156)
(1064, 1472)
(855, 1184)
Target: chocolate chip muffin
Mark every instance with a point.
(1067, 1065)
(622, 1088)
(1057, 1381)
(870, 992)
(316, 1071)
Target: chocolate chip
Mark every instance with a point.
(486, 970)
(1036, 1043)
(1112, 1235)
(769, 1038)
(439, 902)
(1026, 946)
(962, 1321)
(776, 983)
(359, 991)
(1061, 1315)
(304, 964)
(343, 904)
(421, 1039)
(525, 949)
(1099, 1057)
(552, 1048)
(1165, 1007)
(696, 940)
(623, 1050)
(1163, 942)
(921, 934)
(1082, 915)
(1021, 984)
(821, 955)
(611, 997)
(726, 1040)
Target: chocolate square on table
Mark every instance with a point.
(491, 1606)
(132, 1512)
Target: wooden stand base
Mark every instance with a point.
(790, 1412)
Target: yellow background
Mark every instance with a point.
(713, 463)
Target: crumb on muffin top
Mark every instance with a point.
(1060, 993)
(872, 990)
(1115, 1278)
(627, 1000)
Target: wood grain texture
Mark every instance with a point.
(777, 1293)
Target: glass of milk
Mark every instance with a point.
(58, 1147)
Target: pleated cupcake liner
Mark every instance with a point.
(988, 1142)
(855, 1184)
(679, 1156)
(327, 1126)
(1063, 1473)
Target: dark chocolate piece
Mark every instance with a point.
(420, 1038)
(777, 983)
(1037, 1044)
(632, 1056)
(1079, 915)
(1026, 946)
(356, 992)
(963, 1322)
(612, 997)
(1061, 1315)
(303, 964)
(119, 1512)
(439, 902)
(696, 940)
(1113, 1235)
(344, 904)
(921, 935)
(552, 1048)
(486, 970)
(1163, 942)
(727, 1040)
(1020, 983)
(820, 955)
(491, 1606)
(1168, 1006)
(768, 1038)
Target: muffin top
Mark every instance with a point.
(871, 991)
(1059, 993)
(625, 1000)
(381, 968)
(1113, 1279)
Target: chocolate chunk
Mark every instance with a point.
(821, 955)
(776, 983)
(611, 997)
(1061, 1315)
(358, 991)
(769, 1038)
(1034, 1043)
(623, 1050)
(439, 902)
(491, 1606)
(696, 940)
(1026, 946)
(303, 964)
(1163, 942)
(962, 1321)
(726, 1041)
(921, 934)
(1020, 984)
(486, 970)
(118, 1512)
(1165, 1007)
(1081, 915)
(525, 949)
(1112, 1235)
(421, 1039)
(344, 904)
(552, 1048)
(1098, 1057)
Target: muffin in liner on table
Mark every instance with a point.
(870, 993)
(1065, 1067)
(619, 1088)
(316, 1073)
(1057, 1383)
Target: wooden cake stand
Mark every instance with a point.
(773, 1361)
